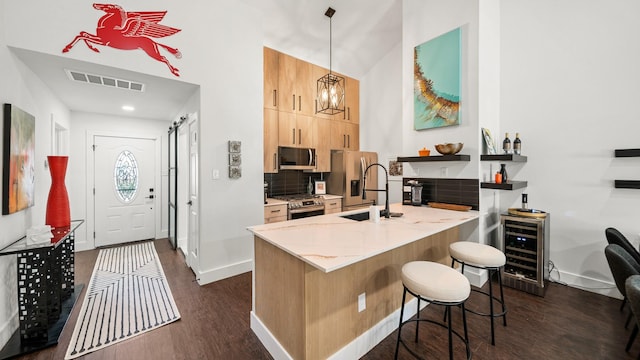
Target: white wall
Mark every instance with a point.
(561, 78)
(380, 113)
(569, 77)
(423, 21)
(20, 87)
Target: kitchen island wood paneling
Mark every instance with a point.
(309, 272)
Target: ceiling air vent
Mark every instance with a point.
(104, 80)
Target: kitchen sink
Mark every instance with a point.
(365, 216)
(357, 217)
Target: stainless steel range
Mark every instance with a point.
(303, 205)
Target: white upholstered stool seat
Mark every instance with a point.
(478, 255)
(436, 282)
(485, 257)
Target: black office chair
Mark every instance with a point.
(632, 286)
(622, 266)
(615, 237)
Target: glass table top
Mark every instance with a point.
(25, 243)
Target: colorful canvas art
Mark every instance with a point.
(18, 166)
(437, 82)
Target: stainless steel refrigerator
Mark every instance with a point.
(347, 178)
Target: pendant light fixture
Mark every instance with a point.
(330, 97)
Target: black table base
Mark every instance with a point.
(14, 346)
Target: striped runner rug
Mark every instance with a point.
(128, 295)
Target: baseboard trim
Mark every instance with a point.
(354, 350)
(268, 340)
(586, 283)
(213, 275)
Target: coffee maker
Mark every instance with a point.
(412, 193)
(416, 194)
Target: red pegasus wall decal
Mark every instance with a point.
(124, 30)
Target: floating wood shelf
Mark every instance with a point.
(503, 157)
(627, 184)
(627, 152)
(457, 157)
(511, 185)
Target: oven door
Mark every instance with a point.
(306, 211)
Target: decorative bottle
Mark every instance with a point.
(506, 144)
(503, 172)
(310, 187)
(517, 145)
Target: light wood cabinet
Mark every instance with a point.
(295, 130)
(296, 85)
(352, 101)
(290, 119)
(275, 213)
(270, 70)
(345, 136)
(322, 143)
(270, 140)
(332, 206)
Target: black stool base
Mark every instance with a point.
(448, 326)
(492, 314)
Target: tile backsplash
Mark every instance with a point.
(452, 191)
(288, 182)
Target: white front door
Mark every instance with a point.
(124, 189)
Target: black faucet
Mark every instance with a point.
(386, 211)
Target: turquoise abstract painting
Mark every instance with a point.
(436, 101)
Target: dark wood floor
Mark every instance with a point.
(566, 324)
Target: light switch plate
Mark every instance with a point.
(215, 174)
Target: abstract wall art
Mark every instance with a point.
(18, 160)
(437, 82)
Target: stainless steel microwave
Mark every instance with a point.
(297, 158)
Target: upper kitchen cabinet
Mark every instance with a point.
(345, 136)
(323, 147)
(270, 141)
(296, 86)
(352, 100)
(295, 130)
(270, 69)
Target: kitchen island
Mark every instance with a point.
(309, 276)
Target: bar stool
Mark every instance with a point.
(484, 257)
(436, 284)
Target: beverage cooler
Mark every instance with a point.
(525, 243)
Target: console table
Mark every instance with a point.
(46, 289)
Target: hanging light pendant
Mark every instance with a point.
(330, 97)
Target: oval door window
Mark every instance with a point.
(125, 176)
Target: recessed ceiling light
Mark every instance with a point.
(128, 108)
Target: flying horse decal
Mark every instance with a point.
(129, 31)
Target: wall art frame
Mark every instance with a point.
(18, 159)
(488, 142)
(437, 81)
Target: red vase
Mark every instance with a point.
(58, 214)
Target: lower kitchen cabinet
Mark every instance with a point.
(332, 206)
(275, 213)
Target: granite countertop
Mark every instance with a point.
(330, 242)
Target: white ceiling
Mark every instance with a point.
(363, 32)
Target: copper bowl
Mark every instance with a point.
(449, 148)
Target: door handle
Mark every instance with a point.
(189, 202)
(149, 197)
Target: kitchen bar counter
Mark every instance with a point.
(332, 242)
(330, 287)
